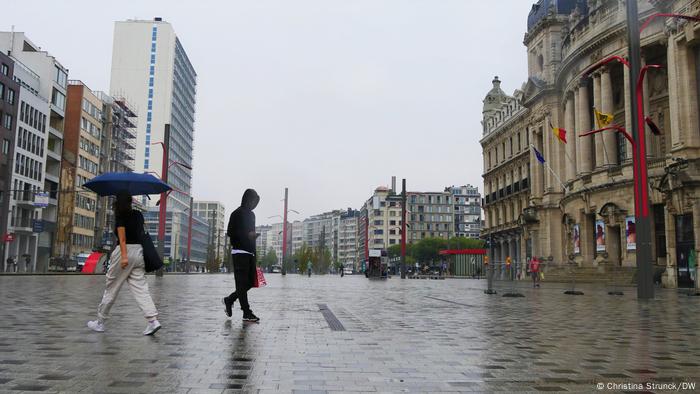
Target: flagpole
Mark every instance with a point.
(550, 169)
(565, 142)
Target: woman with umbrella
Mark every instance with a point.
(127, 261)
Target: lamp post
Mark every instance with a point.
(403, 228)
(166, 164)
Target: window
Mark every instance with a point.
(61, 77)
(11, 96)
(2, 91)
(7, 121)
(5, 146)
(5, 69)
(58, 99)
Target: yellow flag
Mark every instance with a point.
(602, 119)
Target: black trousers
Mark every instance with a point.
(244, 273)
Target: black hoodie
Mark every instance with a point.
(242, 223)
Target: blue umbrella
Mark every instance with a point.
(113, 183)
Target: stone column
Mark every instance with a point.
(571, 138)
(671, 265)
(535, 168)
(583, 116)
(598, 140)
(606, 106)
(628, 111)
(674, 88)
(696, 239)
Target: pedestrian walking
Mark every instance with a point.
(308, 267)
(27, 263)
(535, 271)
(241, 231)
(127, 265)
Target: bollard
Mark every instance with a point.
(489, 278)
(615, 291)
(512, 293)
(572, 272)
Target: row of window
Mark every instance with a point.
(431, 208)
(82, 241)
(30, 142)
(83, 221)
(87, 165)
(149, 113)
(85, 202)
(24, 191)
(26, 166)
(89, 147)
(431, 199)
(92, 109)
(429, 226)
(518, 145)
(7, 94)
(91, 128)
(32, 116)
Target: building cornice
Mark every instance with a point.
(506, 124)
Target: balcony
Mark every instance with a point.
(22, 225)
(24, 198)
(56, 132)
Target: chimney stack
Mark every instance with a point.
(393, 184)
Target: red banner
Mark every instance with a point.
(463, 251)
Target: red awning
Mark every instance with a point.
(91, 263)
(463, 251)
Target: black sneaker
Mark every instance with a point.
(249, 316)
(227, 306)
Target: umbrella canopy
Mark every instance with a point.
(113, 183)
(91, 263)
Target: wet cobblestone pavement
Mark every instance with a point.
(332, 334)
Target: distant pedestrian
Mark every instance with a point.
(27, 263)
(241, 231)
(9, 264)
(127, 265)
(308, 267)
(535, 271)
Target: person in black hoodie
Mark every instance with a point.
(241, 231)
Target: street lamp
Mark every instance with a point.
(166, 164)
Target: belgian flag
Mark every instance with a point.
(558, 132)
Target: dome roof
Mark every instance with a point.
(562, 7)
(495, 96)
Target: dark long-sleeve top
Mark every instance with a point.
(240, 225)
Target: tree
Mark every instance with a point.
(302, 256)
(269, 260)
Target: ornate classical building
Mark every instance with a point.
(579, 205)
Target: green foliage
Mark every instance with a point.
(269, 260)
(428, 249)
(321, 259)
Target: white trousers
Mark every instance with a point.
(134, 274)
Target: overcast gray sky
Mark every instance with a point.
(327, 97)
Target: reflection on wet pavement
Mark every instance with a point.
(396, 336)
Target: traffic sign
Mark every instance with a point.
(9, 237)
(38, 226)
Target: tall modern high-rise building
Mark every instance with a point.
(150, 68)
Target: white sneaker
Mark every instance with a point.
(152, 327)
(96, 325)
